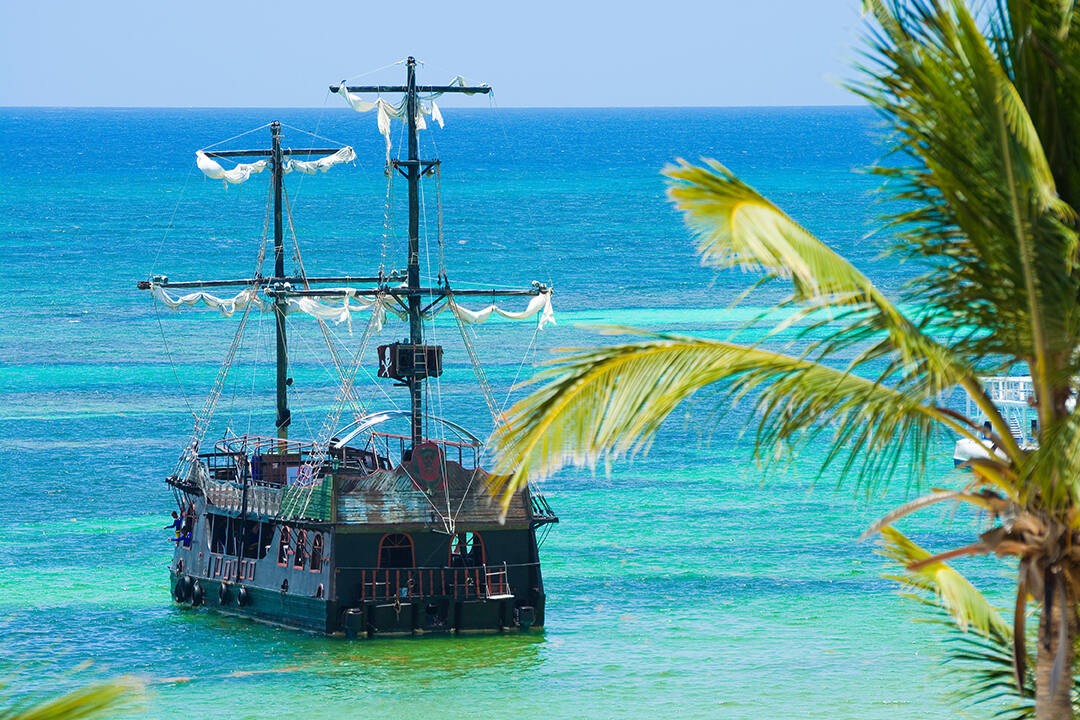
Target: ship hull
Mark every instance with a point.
(371, 551)
(431, 615)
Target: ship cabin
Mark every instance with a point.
(386, 539)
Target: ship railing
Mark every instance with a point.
(1002, 389)
(243, 461)
(264, 445)
(230, 568)
(541, 510)
(227, 463)
(222, 466)
(466, 454)
(459, 583)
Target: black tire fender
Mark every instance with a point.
(182, 589)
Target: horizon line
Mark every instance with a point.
(452, 107)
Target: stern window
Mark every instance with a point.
(466, 550)
(300, 554)
(396, 551)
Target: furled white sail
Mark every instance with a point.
(539, 304)
(425, 106)
(353, 301)
(310, 167)
(213, 170)
(225, 306)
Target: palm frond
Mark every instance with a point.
(988, 217)
(103, 699)
(738, 227)
(967, 606)
(980, 641)
(985, 500)
(609, 402)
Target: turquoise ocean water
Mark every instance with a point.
(679, 585)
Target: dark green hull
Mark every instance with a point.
(364, 552)
(371, 618)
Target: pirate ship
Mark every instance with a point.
(360, 531)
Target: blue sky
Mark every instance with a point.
(555, 53)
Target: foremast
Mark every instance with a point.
(284, 415)
(276, 159)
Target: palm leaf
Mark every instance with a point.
(610, 401)
(967, 606)
(104, 699)
(986, 501)
(988, 218)
(980, 642)
(738, 227)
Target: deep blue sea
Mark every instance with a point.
(684, 584)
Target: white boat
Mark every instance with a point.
(1013, 395)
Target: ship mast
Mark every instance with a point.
(417, 367)
(284, 416)
(416, 327)
(410, 363)
(275, 285)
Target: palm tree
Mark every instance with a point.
(987, 168)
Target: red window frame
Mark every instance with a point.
(476, 539)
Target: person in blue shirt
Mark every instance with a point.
(176, 525)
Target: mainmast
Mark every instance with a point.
(417, 360)
(416, 326)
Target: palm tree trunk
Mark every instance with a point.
(1054, 664)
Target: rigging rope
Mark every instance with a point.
(254, 370)
(357, 407)
(202, 422)
(330, 424)
(481, 377)
(438, 205)
(190, 453)
(524, 359)
(234, 137)
(316, 134)
(372, 72)
(388, 219)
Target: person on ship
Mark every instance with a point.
(188, 524)
(177, 525)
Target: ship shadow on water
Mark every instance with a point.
(378, 662)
